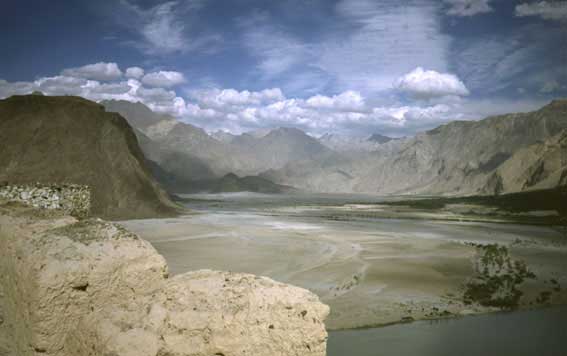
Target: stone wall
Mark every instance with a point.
(72, 199)
(90, 287)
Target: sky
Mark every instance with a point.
(351, 67)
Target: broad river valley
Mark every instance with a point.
(395, 285)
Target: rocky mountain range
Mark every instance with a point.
(500, 154)
(72, 140)
(189, 153)
(459, 158)
(55, 140)
(354, 144)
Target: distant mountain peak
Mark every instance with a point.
(379, 138)
(288, 130)
(259, 133)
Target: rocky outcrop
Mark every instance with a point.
(539, 166)
(92, 288)
(207, 313)
(70, 140)
(73, 199)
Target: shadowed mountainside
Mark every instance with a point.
(73, 140)
(233, 183)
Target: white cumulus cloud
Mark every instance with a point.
(347, 101)
(225, 98)
(135, 72)
(239, 111)
(429, 84)
(96, 71)
(164, 79)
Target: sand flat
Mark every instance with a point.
(370, 272)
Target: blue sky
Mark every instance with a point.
(347, 66)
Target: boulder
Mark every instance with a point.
(206, 313)
(91, 287)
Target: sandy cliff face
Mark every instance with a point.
(207, 313)
(73, 140)
(92, 288)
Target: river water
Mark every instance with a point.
(541, 332)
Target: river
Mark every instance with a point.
(541, 332)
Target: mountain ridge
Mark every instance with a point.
(67, 139)
(457, 158)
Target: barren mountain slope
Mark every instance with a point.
(457, 158)
(73, 140)
(539, 166)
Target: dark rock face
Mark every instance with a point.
(56, 140)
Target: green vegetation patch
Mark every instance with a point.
(497, 278)
(549, 199)
(524, 202)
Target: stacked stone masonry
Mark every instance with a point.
(72, 199)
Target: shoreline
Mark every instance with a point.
(452, 317)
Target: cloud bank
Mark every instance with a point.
(164, 79)
(243, 110)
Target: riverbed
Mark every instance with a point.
(370, 271)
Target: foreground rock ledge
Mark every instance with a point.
(90, 287)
